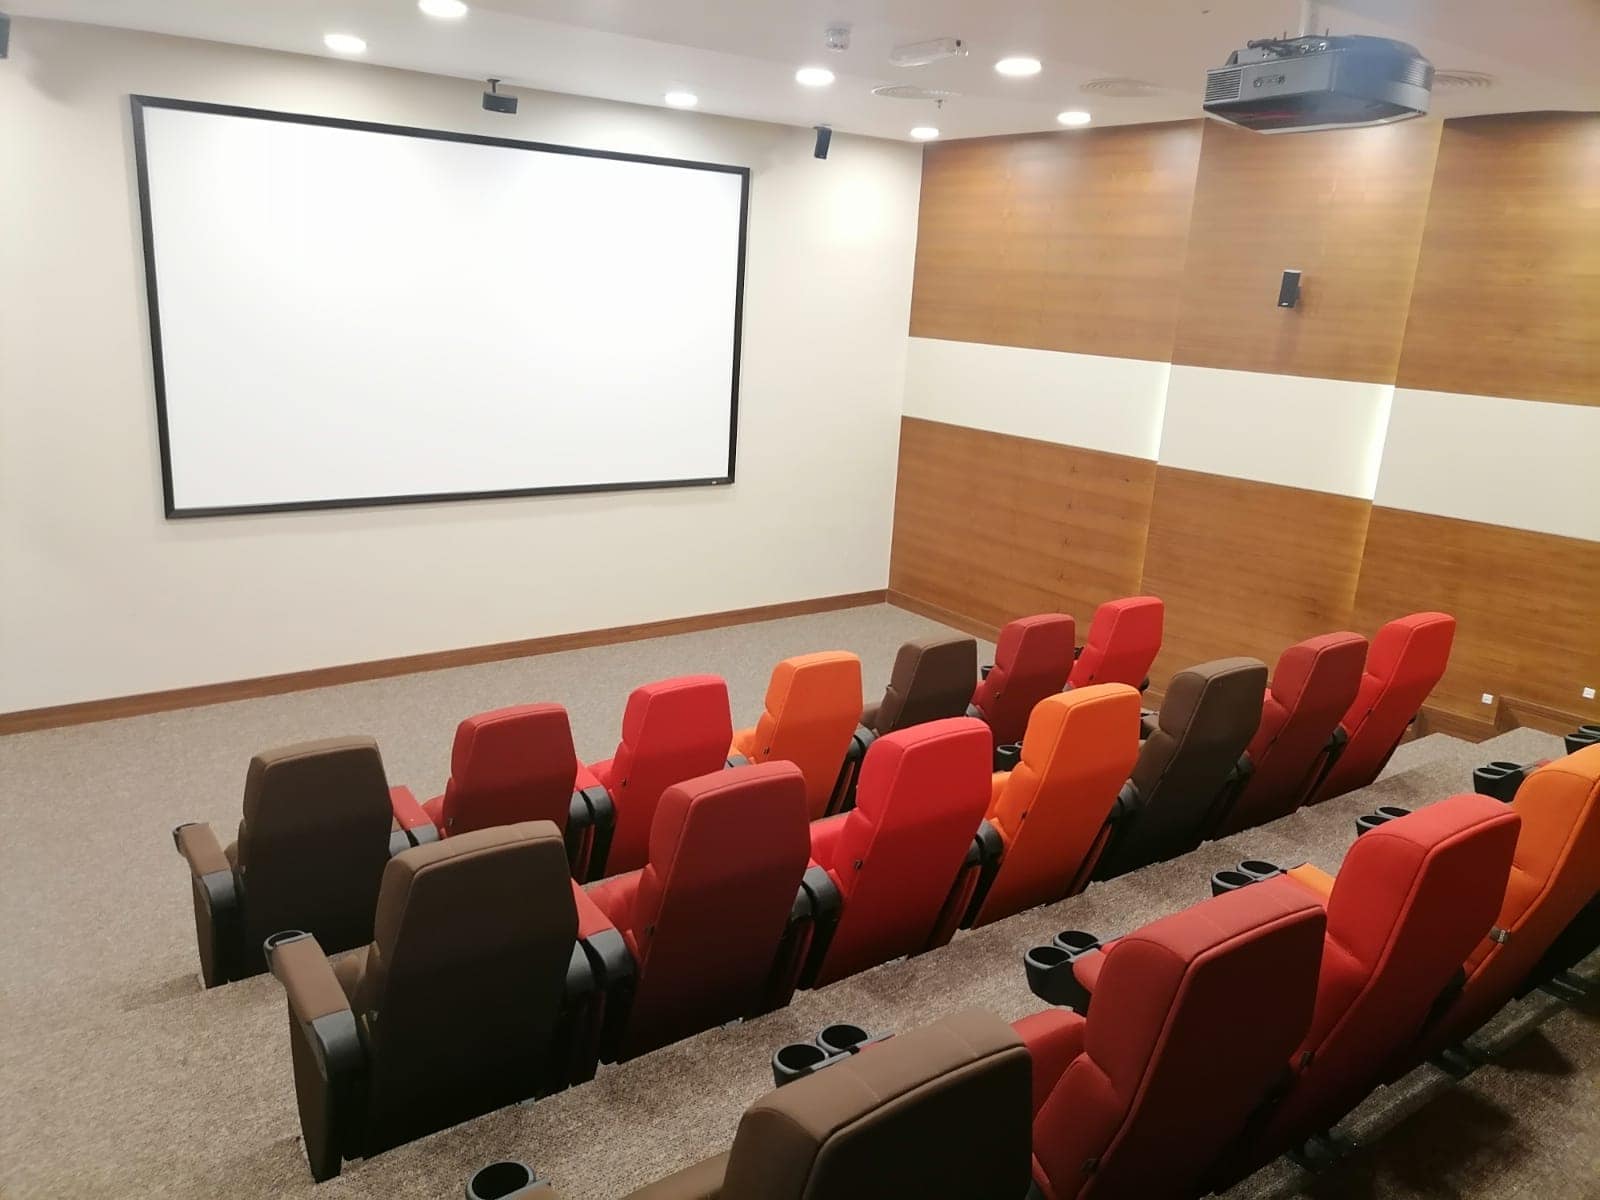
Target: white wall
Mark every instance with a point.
(102, 597)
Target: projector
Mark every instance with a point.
(493, 101)
(1292, 85)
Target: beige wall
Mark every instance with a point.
(103, 597)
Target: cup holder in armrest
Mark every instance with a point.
(799, 1059)
(502, 1181)
(283, 935)
(1384, 814)
(1259, 869)
(1008, 756)
(1050, 969)
(1224, 882)
(1582, 737)
(843, 1039)
(1075, 941)
(1499, 779)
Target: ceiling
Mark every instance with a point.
(739, 56)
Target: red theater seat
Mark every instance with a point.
(1191, 1026)
(812, 705)
(1406, 660)
(708, 918)
(1124, 639)
(1411, 900)
(1313, 685)
(1051, 810)
(672, 730)
(1032, 658)
(900, 858)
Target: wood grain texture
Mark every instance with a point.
(1344, 207)
(1507, 295)
(994, 527)
(438, 660)
(1246, 567)
(1059, 241)
(1527, 607)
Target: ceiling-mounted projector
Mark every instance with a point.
(1292, 85)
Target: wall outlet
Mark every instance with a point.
(1588, 693)
(1487, 698)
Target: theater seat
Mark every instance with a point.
(1312, 687)
(1032, 658)
(1207, 718)
(1192, 1022)
(715, 920)
(812, 706)
(932, 679)
(1555, 872)
(1406, 660)
(506, 766)
(672, 730)
(940, 1111)
(1411, 900)
(1124, 639)
(311, 850)
(1051, 810)
(902, 858)
(476, 992)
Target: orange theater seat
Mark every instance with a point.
(1406, 660)
(1124, 639)
(1051, 811)
(1555, 872)
(1032, 657)
(813, 704)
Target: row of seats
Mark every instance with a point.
(1209, 1041)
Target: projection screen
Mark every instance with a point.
(349, 314)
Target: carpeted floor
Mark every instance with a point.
(119, 1076)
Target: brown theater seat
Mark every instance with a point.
(932, 679)
(312, 846)
(483, 986)
(940, 1111)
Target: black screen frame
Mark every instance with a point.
(139, 103)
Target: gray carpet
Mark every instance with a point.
(121, 1077)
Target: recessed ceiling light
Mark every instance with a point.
(344, 43)
(1018, 66)
(681, 99)
(924, 133)
(814, 76)
(445, 10)
(1073, 116)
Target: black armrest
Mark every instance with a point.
(844, 788)
(615, 976)
(985, 853)
(983, 671)
(591, 822)
(1381, 816)
(1077, 653)
(1051, 973)
(826, 904)
(1499, 779)
(1127, 802)
(1007, 757)
(217, 902)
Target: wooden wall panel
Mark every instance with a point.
(1058, 241)
(995, 527)
(1246, 567)
(1346, 208)
(1527, 607)
(1507, 295)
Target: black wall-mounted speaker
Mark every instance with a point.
(1289, 290)
(824, 136)
(5, 35)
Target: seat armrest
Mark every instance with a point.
(217, 901)
(1127, 802)
(591, 822)
(985, 854)
(1149, 722)
(843, 798)
(1054, 1038)
(411, 816)
(329, 1061)
(826, 903)
(702, 1181)
(1086, 968)
(983, 671)
(1316, 881)
(615, 975)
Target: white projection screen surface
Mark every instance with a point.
(351, 314)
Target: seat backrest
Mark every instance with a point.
(1412, 899)
(1555, 871)
(672, 730)
(812, 707)
(464, 978)
(1406, 660)
(1050, 810)
(1207, 718)
(510, 765)
(1193, 1022)
(1124, 639)
(938, 1111)
(1312, 687)
(932, 679)
(727, 851)
(920, 800)
(1032, 658)
(314, 841)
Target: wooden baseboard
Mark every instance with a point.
(1433, 719)
(1512, 713)
(438, 660)
(944, 616)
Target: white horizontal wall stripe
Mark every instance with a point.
(1521, 463)
(1087, 400)
(1325, 435)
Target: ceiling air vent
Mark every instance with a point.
(904, 91)
(1120, 88)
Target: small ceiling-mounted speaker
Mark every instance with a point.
(5, 35)
(824, 137)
